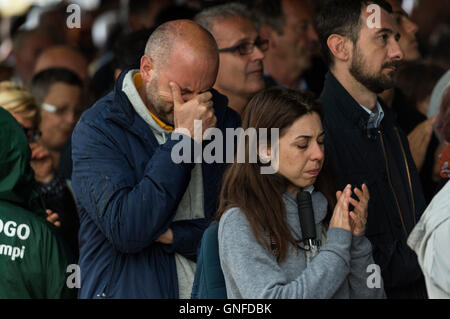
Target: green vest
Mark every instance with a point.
(33, 258)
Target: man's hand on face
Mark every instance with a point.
(185, 113)
(41, 162)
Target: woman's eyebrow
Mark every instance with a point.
(303, 136)
(308, 136)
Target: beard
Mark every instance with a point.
(161, 108)
(376, 83)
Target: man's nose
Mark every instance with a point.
(395, 51)
(257, 54)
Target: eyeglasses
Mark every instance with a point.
(60, 111)
(247, 47)
(32, 134)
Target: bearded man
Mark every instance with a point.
(360, 41)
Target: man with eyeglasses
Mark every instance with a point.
(241, 52)
(59, 93)
(289, 27)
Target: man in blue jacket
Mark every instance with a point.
(363, 143)
(142, 215)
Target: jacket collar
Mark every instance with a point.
(346, 105)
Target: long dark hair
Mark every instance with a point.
(258, 195)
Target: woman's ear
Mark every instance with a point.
(338, 46)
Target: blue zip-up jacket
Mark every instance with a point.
(128, 189)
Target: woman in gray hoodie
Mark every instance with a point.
(261, 248)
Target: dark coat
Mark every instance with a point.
(128, 189)
(357, 156)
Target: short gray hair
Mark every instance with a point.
(163, 39)
(208, 16)
(160, 43)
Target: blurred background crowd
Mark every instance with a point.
(52, 69)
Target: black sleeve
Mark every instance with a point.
(58, 197)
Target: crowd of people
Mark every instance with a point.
(354, 96)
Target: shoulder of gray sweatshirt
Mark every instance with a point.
(340, 269)
(430, 239)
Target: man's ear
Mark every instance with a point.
(146, 68)
(339, 47)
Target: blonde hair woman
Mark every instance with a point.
(21, 105)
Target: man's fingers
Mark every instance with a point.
(176, 94)
(209, 104)
(39, 152)
(204, 97)
(38, 155)
(53, 218)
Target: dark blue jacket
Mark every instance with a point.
(128, 189)
(358, 156)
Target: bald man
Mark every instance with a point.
(142, 215)
(62, 56)
(27, 47)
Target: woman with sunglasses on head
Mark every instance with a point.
(53, 189)
(262, 247)
(21, 105)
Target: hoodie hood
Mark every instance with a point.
(17, 184)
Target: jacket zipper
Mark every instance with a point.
(409, 175)
(390, 182)
(105, 293)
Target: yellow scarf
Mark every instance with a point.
(137, 80)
